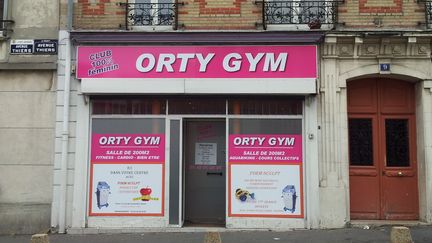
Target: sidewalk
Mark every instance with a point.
(420, 234)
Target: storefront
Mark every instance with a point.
(196, 135)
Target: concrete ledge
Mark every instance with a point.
(29, 66)
(379, 223)
(81, 231)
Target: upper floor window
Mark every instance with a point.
(300, 14)
(151, 13)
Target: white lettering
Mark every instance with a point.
(204, 61)
(272, 141)
(138, 140)
(271, 64)
(184, 60)
(103, 140)
(166, 60)
(236, 65)
(254, 60)
(151, 63)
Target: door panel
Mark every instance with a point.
(205, 156)
(387, 187)
(399, 173)
(362, 97)
(396, 97)
(364, 172)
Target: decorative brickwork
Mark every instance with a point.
(219, 7)
(381, 14)
(99, 14)
(380, 6)
(219, 15)
(94, 8)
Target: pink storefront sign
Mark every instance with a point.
(189, 62)
(133, 148)
(258, 148)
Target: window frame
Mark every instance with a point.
(154, 27)
(299, 26)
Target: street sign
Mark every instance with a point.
(45, 47)
(22, 47)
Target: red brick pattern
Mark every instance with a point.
(385, 14)
(203, 9)
(219, 15)
(99, 15)
(395, 8)
(90, 9)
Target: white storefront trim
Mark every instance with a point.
(199, 86)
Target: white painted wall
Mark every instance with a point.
(27, 101)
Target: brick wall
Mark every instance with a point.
(99, 14)
(193, 14)
(379, 14)
(244, 14)
(219, 14)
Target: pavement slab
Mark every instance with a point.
(420, 234)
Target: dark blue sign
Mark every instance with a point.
(21, 47)
(385, 67)
(45, 47)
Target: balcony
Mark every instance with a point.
(300, 13)
(151, 15)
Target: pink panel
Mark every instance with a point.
(197, 62)
(278, 148)
(128, 148)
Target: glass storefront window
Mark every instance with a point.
(127, 167)
(265, 158)
(265, 106)
(133, 106)
(197, 105)
(265, 126)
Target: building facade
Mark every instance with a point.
(242, 114)
(28, 77)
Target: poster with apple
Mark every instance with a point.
(130, 189)
(127, 175)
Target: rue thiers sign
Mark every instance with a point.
(197, 62)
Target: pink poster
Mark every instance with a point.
(258, 148)
(265, 176)
(128, 148)
(145, 62)
(127, 175)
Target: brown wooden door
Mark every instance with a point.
(382, 150)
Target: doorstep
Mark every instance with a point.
(379, 223)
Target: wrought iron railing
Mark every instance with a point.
(151, 14)
(428, 12)
(313, 13)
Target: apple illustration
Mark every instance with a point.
(145, 192)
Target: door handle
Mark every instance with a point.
(214, 173)
(398, 173)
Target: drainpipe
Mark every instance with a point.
(65, 124)
(5, 15)
(5, 9)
